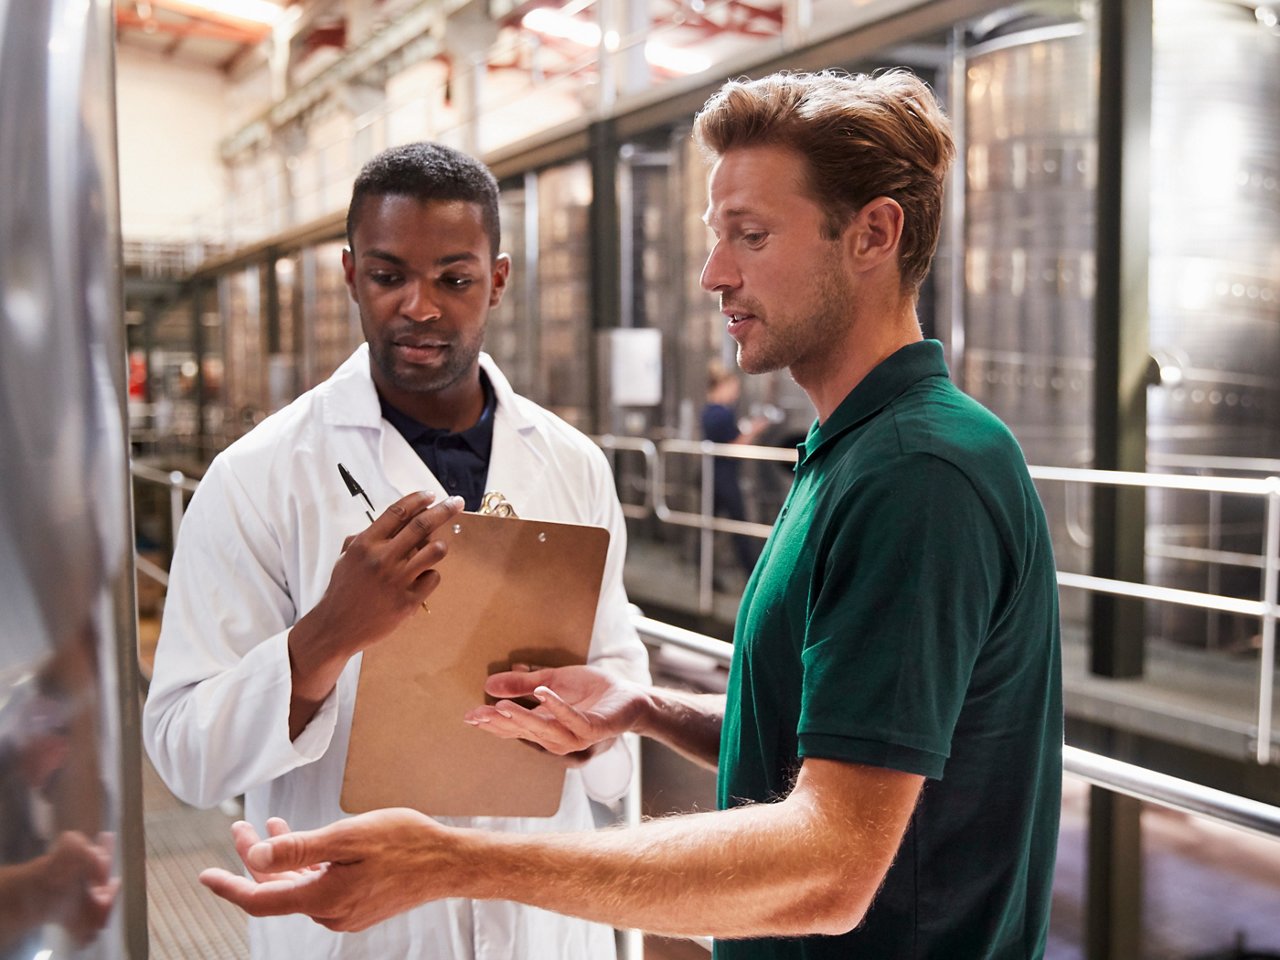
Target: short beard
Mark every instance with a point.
(824, 322)
(460, 360)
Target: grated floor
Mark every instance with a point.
(186, 921)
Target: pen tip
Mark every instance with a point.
(349, 480)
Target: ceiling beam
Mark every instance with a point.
(254, 29)
(128, 19)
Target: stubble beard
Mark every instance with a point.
(807, 338)
(459, 359)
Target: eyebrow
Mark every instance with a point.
(733, 213)
(446, 260)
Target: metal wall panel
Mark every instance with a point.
(69, 814)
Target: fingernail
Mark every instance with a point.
(474, 723)
(457, 502)
(541, 694)
(503, 712)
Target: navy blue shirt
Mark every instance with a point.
(460, 461)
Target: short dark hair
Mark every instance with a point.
(426, 172)
(860, 137)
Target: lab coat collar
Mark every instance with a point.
(516, 462)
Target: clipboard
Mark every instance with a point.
(511, 591)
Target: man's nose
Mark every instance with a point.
(419, 304)
(719, 273)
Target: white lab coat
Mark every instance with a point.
(255, 553)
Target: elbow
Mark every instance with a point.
(839, 914)
(833, 903)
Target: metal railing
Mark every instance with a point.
(1265, 608)
(1146, 785)
(1115, 775)
(655, 457)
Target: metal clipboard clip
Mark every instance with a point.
(494, 504)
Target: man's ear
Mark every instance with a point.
(501, 274)
(875, 233)
(349, 270)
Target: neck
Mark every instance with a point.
(868, 341)
(453, 408)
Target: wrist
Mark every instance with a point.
(313, 673)
(650, 712)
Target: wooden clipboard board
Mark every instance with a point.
(511, 591)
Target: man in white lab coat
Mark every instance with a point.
(268, 611)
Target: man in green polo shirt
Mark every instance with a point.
(889, 748)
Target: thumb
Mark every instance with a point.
(290, 851)
(514, 683)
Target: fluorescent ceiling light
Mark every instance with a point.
(258, 11)
(556, 23)
(553, 23)
(675, 59)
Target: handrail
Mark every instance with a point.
(1266, 608)
(1115, 775)
(649, 450)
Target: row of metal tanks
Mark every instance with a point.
(1214, 297)
(1018, 315)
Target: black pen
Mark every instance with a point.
(355, 489)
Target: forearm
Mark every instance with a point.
(688, 723)
(766, 870)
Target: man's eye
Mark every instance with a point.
(385, 279)
(754, 238)
(457, 283)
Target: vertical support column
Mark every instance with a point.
(1117, 629)
(605, 228)
(1121, 353)
(1113, 918)
(950, 279)
(203, 451)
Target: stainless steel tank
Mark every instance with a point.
(1215, 296)
(1215, 275)
(1031, 171)
(70, 820)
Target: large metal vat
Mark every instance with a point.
(71, 878)
(1215, 277)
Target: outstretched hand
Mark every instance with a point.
(578, 707)
(346, 876)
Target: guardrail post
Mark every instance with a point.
(176, 480)
(1267, 660)
(706, 535)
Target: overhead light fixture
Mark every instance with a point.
(675, 59)
(257, 11)
(556, 23)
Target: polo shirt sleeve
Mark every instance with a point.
(910, 570)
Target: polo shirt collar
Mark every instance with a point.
(877, 390)
(478, 437)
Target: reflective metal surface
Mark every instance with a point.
(68, 818)
(1215, 296)
(1215, 292)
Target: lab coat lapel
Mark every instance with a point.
(402, 466)
(517, 465)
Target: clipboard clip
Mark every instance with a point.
(495, 504)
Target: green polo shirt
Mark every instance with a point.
(904, 615)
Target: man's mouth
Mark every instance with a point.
(420, 350)
(737, 320)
